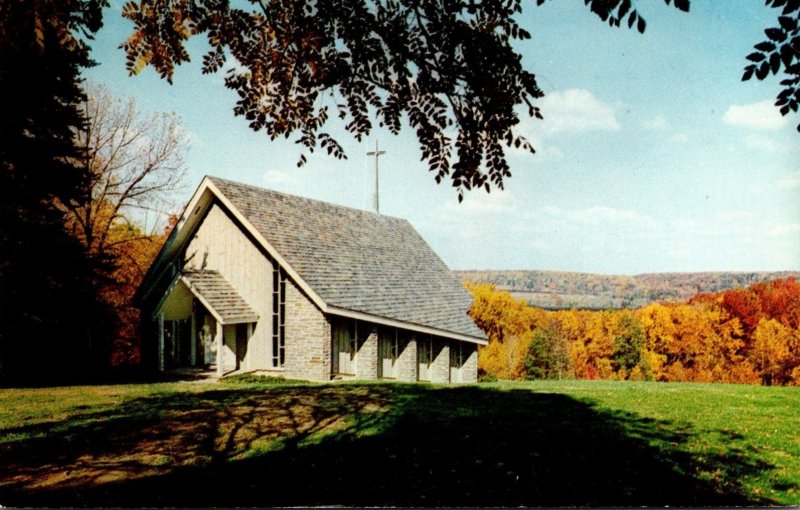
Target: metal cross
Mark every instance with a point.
(377, 153)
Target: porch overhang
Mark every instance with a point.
(218, 296)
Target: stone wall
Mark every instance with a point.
(440, 368)
(367, 354)
(407, 360)
(469, 371)
(308, 347)
(308, 338)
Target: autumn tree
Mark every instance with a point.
(498, 313)
(133, 251)
(775, 351)
(507, 323)
(548, 353)
(745, 305)
(629, 345)
(445, 67)
(134, 165)
(780, 300)
(49, 314)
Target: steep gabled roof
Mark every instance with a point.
(357, 261)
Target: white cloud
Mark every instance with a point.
(733, 216)
(658, 123)
(480, 203)
(601, 214)
(762, 115)
(575, 111)
(590, 216)
(785, 229)
(284, 181)
(277, 177)
(790, 181)
(762, 142)
(681, 137)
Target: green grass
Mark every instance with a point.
(758, 424)
(252, 442)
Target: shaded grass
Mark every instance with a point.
(253, 443)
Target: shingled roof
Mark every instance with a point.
(219, 296)
(358, 260)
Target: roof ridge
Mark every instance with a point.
(262, 189)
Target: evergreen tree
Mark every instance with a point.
(629, 346)
(548, 353)
(50, 317)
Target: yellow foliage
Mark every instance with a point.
(658, 327)
(657, 363)
(506, 359)
(794, 379)
(637, 374)
(742, 373)
(498, 314)
(604, 369)
(771, 348)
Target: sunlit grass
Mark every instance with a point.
(548, 442)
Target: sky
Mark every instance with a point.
(653, 156)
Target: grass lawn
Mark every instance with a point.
(248, 443)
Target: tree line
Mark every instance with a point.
(565, 290)
(747, 336)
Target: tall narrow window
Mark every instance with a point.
(278, 315)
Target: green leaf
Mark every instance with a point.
(763, 71)
(787, 23)
(765, 46)
(682, 5)
(775, 63)
(776, 34)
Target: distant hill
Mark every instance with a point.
(559, 289)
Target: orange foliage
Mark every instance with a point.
(128, 253)
(133, 253)
(740, 336)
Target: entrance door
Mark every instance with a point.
(207, 339)
(344, 347)
(241, 344)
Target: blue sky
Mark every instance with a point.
(653, 155)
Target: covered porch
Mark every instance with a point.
(203, 322)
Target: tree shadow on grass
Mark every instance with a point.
(401, 445)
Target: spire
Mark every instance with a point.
(376, 199)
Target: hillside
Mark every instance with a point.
(560, 289)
